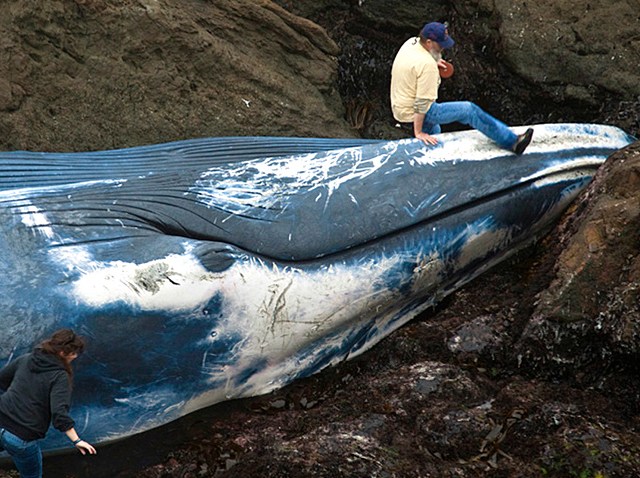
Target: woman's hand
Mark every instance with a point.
(85, 448)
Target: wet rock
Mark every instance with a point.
(278, 404)
(307, 404)
(474, 336)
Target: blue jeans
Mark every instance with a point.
(26, 455)
(472, 115)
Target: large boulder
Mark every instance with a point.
(88, 75)
(590, 313)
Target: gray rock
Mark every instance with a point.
(580, 44)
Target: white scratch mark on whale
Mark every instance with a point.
(30, 192)
(269, 183)
(32, 217)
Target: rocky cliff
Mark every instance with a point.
(90, 75)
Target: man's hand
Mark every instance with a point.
(426, 138)
(445, 69)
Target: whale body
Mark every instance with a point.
(211, 269)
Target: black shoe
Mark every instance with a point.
(523, 141)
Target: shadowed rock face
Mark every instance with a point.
(524, 62)
(585, 47)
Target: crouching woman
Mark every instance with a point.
(37, 391)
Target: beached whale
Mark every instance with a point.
(210, 269)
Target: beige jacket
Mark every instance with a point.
(414, 81)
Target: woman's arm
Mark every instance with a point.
(60, 398)
(79, 443)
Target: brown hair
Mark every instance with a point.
(63, 341)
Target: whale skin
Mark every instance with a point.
(211, 269)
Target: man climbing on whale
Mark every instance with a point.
(415, 80)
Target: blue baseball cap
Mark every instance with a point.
(438, 33)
